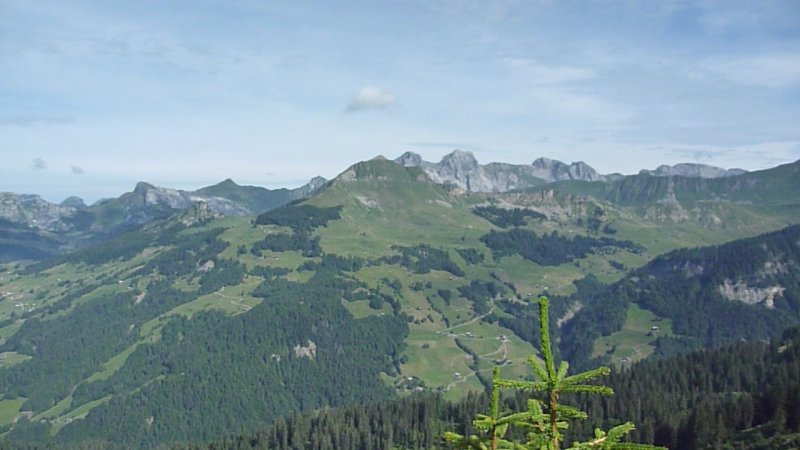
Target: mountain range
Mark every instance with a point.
(196, 321)
(462, 169)
(32, 228)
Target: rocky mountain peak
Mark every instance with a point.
(142, 188)
(582, 171)
(459, 158)
(463, 168)
(316, 183)
(545, 163)
(73, 202)
(409, 159)
(458, 164)
(311, 187)
(553, 170)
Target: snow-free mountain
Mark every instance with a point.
(460, 168)
(382, 283)
(33, 228)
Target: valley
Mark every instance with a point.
(383, 283)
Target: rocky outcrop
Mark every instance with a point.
(34, 212)
(750, 295)
(74, 202)
(309, 188)
(410, 159)
(460, 168)
(305, 351)
(552, 170)
(148, 195)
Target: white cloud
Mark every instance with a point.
(371, 97)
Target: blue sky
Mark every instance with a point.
(97, 95)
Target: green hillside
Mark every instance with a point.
(776, 186)
(255, 198)
(744, 396)
(381, 284)
(690, 299)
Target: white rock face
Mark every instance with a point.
(552, 170)
(410, 159)
(305, 351)
(460, 168)
(177, 199)
(741, 292)
(35, 212)
(310, 187)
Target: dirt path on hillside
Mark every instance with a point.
(503, 348)
(473, 320)
(233, 300)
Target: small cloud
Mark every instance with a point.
(371, 97)
(39, 164)
(77, 170)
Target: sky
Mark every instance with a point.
(96, 95)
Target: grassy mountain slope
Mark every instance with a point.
(774, 186)
(255, 198)
(400, 284)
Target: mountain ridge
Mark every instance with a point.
(462, 169)
(35, 228)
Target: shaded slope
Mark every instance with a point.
(258, 199)
(708, 293)
(776, 186)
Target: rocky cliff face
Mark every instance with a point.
(74, 202)
(410, 159)
(34, 212)
(552, 170)
(148, 195)
(309, 188)
(462, 169)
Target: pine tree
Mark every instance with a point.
(544, 419)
